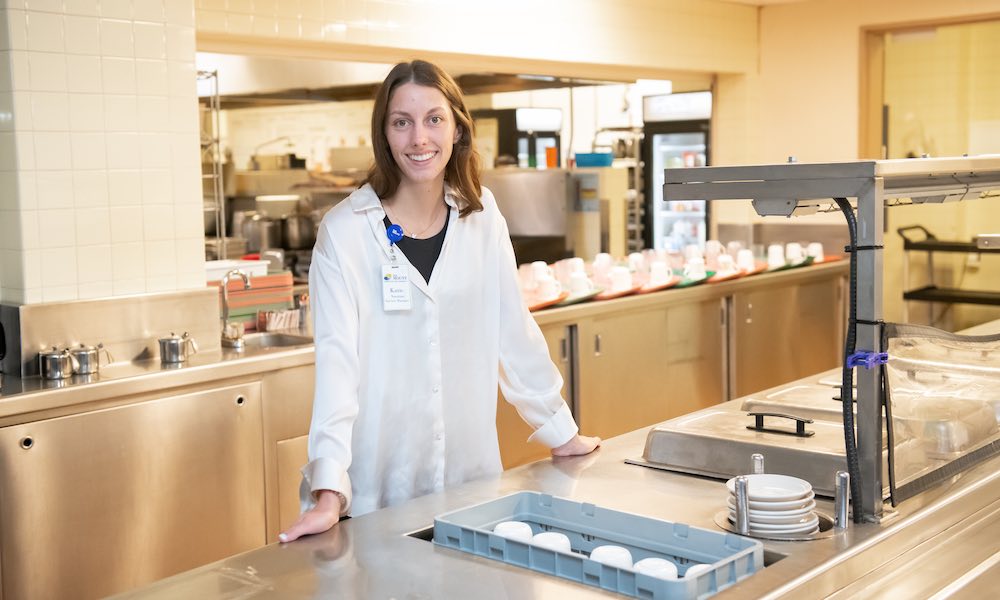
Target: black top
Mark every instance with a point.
(422, 254)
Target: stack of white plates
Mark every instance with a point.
(779, 504)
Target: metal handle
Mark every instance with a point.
(758, 463)
(842, 486)
(749, 317)
(107, 354)
(742, 505)
(563, 350)
(597, 344)
(800, 424)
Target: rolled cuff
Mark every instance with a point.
(325, 474)
(559, 429)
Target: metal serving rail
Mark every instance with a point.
(796, 189)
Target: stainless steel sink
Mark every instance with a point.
(270, 339)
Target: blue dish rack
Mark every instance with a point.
(733, 558)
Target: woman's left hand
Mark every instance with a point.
(577, 446)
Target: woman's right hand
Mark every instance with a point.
(318, 519)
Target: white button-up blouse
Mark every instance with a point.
(406, 400)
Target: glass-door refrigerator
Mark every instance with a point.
(676, 131)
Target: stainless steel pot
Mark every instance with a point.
(261, 233)
(176, 348)
(57, 364)
(298, 232)
(89, 358)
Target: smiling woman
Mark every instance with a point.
(418, 320)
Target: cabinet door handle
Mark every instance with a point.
(749, 318)
(597, 344)
(563, 350)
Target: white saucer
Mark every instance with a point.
(776, 514)
(797, 507)
(807, 527)
(771, 487)
(802, 519)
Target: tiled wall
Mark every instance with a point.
(99, 150)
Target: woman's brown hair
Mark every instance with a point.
(462, 171)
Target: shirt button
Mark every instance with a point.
(438, 437)
(435, 389)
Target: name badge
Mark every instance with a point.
(395, 288)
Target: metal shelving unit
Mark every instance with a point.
(214, 199)
(629, 142)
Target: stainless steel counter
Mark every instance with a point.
(373, 557)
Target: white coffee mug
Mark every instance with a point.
(514, 530)
(726, 265)
(553, 540)
(691, 251)
(540, 269)
(815, 250)
(659, 272)
(603, 259)
(713, 249)
(793, 252)
(577, 265)
(775, 256)
(636, 262)
(526, 278)
(656, 567)
(579, 283)
(733, 248)
(745, 260)
(615, 556)
(621, 279)
(548, 288)
(695, 268)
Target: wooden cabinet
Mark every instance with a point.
(103, 501)
(512, 431)
(785, 331)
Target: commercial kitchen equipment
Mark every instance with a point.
(795, 189)
(537, 207)
(676, 133)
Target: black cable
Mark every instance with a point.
(847, 373)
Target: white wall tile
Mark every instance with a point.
(29, 230)
(239, 24)
(84, 74)
(127, 287)
(128, 261)
(120, 113)
(189, 222)
(118, 75)
(190, 252)
(10, 230)
(17, 28)
(150, 10)
(59, 293)
(289, 28)
(86, 112)
(56, 229)
(264, 26)
(47, 72)
(58, 266)
(160, 258)
(153, 113)
(116, 9)
(45, 32)
(212, 21)
(180, 13)
(83, 7)
(22, 110)
(124, 188)
(126, 224)
(183, 114)
(50, 111)
(83, 35)
(183, 79)
(157, 187)
(189, 280)
(90, 189)
(20, 71)
(94, 263)
(93, 226)
(52, 6)
(150, 40)
(52, 151)
(27, 194)
(158, 222)
(268, 8)
(185, 151)
(161, 283)
(116, 38)
(187, 186)
(6, 111)
(151, 77)
(9, 190)
(240, 6)
(89, 150)
(98, 289)
(311, 9)
(8, 151)
(123, 151)
(24, 148)
(54, 189)
(180, 43)
(155, 150)
(11, 269)
(32, 260)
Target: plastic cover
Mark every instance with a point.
(943, 390)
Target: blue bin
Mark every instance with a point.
(594, 159)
